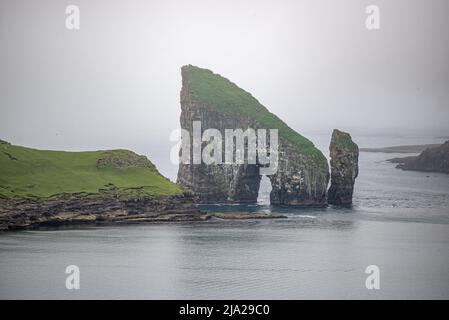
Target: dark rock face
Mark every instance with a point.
(105, 209)
(301, 179)
(430, 160)
(344, 155)
(216, 183)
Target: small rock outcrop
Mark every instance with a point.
(123, 159)
(302, 173)
(344, 155)
(430, 160)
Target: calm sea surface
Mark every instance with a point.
(399, 222)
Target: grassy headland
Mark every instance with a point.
(31, 173)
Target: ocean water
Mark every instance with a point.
(399, 222)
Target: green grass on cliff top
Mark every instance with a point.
(344, 139)
(224, 95)
(31, 173)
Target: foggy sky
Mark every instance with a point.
(115, 82)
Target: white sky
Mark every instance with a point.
(115, 83)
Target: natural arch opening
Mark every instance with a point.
(263, 197)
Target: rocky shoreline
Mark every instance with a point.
(75, 210)
(237, 215)
(17, 214)
(434, 159)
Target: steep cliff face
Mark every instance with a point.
(302, 172)
(301, 178)
(217, 182)
(431, 160)
(344, 167)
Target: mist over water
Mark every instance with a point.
(115, 83)
(399, 221)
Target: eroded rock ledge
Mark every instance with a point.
(238, 215)
(93, 209)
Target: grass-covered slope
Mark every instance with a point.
(344, 139)
(224, 95)
(31, 173)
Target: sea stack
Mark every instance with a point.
(344, 155)
(302, 171)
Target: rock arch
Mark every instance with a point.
(303, 172)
